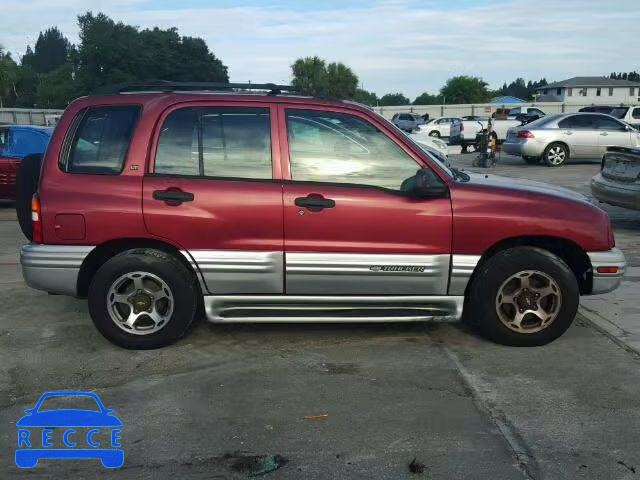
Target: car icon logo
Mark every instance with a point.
(69, 433)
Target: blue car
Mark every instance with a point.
(33, 446)
(16, 142)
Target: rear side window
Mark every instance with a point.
(577, 121)
(101, 141)
(230, 142)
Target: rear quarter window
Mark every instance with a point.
(101, 140)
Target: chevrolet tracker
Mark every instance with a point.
(158, 202)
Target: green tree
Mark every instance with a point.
(50, 52)
(56, 89)
(309, 75)
(427, 99)
(340, 81)
(365, 97)
(313, 76)
(465, 89)
(8, 79)
(111, 52)
(394, 99)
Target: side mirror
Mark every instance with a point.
(424, 184)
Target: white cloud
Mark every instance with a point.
(394, 45)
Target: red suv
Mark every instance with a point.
(274, 207)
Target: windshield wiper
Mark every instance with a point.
(459, 175)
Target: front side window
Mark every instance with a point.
(339, 148)
(101, 141)
(604, 122)
(216, 142)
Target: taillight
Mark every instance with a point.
(36, 219)
(525, 134)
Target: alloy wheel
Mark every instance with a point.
(556, 155)
(140, 303)
(528, 301)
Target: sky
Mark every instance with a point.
(392, 45)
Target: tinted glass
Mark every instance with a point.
(603, 122)
(636, 113)
(577, 121)
(216, 142)
(338, 148)
(619, 112)
(101, 141)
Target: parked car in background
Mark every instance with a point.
(431, 143)
(439, 127)
(630, 115)
(557, 138)
(407, 121)
(518, 113)
(16, 142)
(618, 182)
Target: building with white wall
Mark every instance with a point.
(590, 90)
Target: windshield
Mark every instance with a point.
(619, 112)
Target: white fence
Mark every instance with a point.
(460, 110)
(29, 116)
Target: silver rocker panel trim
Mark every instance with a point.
(462, 267)
(325, 308)
(330, 273)
(233, 271)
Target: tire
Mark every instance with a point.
(488, 305)
(434, 134)
(556, 155)
(26, 185)
(177, 308)
(531, 160)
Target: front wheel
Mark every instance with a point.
(142, 299)
(556, 155)
(523, 296)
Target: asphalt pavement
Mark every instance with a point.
(331, 401)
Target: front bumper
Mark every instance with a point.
(53, 268)
(606, 282)
(616, 193)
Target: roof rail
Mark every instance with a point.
(167, 86)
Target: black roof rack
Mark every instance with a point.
(167, 86)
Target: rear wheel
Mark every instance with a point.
(143, 299)
(556, 155)
(434, 133)
(26, 185)
(523, 296)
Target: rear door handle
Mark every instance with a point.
(173, 196)
(315, 203)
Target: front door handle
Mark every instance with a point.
(173, 196)
(604, 134)
(568, 132)
(314, 202)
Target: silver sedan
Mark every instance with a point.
(556, 138)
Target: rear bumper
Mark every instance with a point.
(606, 282)
(53, 268)
(616, 193)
